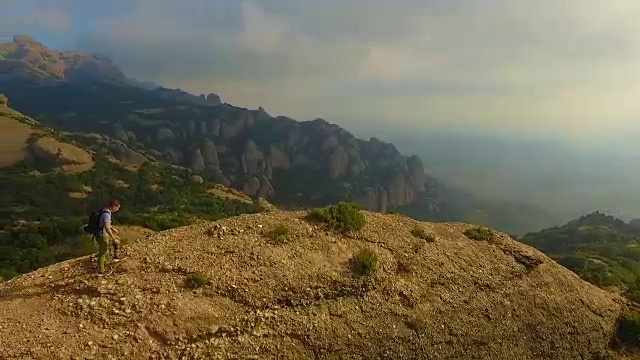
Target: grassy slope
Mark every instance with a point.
(41, 209)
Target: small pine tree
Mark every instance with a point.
(479, 233)
(343, 217)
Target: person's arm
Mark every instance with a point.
(110, 230)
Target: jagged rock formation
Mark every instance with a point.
(263, 156)
(454, 298)
(125, 154)
(214, 99)
(27, 59)
(4, 101)
(257, 154)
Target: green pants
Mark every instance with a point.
(104, 249)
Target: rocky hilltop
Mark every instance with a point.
(451, 298)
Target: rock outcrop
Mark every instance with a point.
(59, 154)
(120, 134)
(125, 154)
(213, 99)
(165, 134)
(4, 101)
(27, 59)
(210, 154)
(454, 298)
(252, 159)
(197, 161)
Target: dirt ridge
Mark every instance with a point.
(452, 298)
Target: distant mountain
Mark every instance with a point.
(293, 163)
(25, 59)
(598, 247)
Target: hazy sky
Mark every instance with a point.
(567, 68)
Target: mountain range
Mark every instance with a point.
(292, 163)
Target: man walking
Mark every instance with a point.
(106, 236)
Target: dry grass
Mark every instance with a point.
(68, 157)
(13, 140)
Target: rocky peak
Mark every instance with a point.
(635, 223)
(4, 101)
(210, 154)
(252, 159)
(262, 114)
(213, 99)
(31, 60)
(26, 40)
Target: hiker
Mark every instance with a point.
(107, 235)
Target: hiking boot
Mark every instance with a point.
(105, 272)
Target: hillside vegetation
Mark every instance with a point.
(600, 248)
(227, 289)
(45, 203)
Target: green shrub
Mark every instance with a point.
(196, 280)
(343, 217)
(279, 234)
(420, 233)
(393, 212)
(629, 328)
(479, 233)
(365, 262)
(633, 295)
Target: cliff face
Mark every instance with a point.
(311, 162)
(259, 154)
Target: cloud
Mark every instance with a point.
(43, 15)
(548, 66)
(49, 18)
(260, 32)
